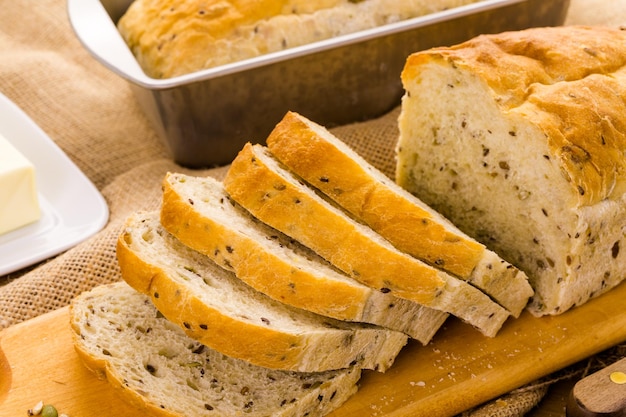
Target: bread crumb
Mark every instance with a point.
(501, 403)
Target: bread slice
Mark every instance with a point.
(199, 213)
(325, 162)
(119, 335)
(221, 311)
(518, 138)
(271, 193)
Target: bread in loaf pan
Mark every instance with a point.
(205, 117)
(121, 336)
(275, 196)
(520, 138)
(199, 213)
(328, 164)
(172, 38)
(219, 310)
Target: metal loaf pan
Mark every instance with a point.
(207, 116)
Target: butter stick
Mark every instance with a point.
(19, 203)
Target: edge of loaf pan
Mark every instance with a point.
(206, 117)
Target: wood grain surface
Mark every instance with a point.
(601, 393)
(459, 369)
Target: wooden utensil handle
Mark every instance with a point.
(602, 393)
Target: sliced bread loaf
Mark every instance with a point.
(221, 311)
(519, 138)
(199, 213)
(271, 193)
(119, 334)
(327, 163)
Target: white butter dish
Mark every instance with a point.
(72, 209)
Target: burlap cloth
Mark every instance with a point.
(91, 114)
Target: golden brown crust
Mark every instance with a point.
(268, 196)
(200, 215)
(167, 27)
(165, 35)
(211, 306)
(406, 225)
(570, 82)
(231, 337)
(171, 38)
(289, 208)
(326, 163)
(256, 265)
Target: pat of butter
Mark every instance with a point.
(19, 204)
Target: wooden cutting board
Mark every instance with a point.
(458, 370)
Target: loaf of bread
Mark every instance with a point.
(519, 138)
(171, 38)
(120, 335)
(219, 310)
(200, 214)
(274, 195)
(328, 164)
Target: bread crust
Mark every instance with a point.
(283, 277)
(319, 162)
(234, 338)
(570, 82)
(332, 346)
(171, 38)
(252, 263)
(288, 208)
(315, 155)
(165, 35)
(269, 197)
